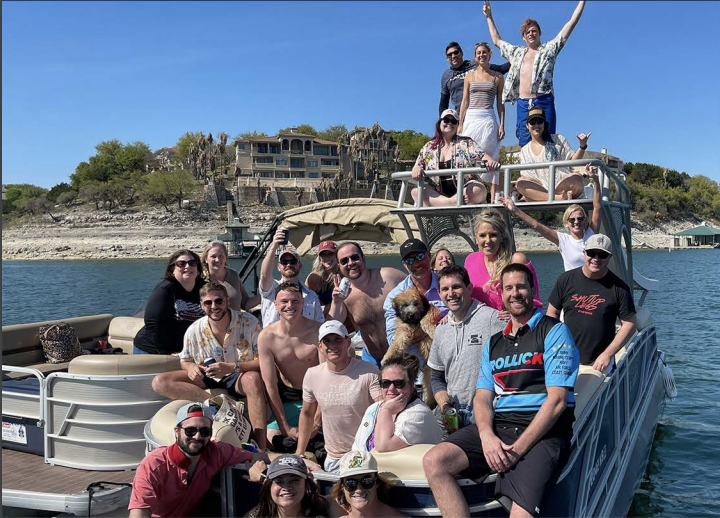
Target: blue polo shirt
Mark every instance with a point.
(519, 368)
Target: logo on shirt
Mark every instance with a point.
(587, 303)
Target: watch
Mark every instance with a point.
(583, 147)
(237, 368)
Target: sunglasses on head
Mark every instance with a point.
(288, 262)
(597, 253)
(453, 53)
(351, 484)
(534, 122)
(579, 219)
(183, 264)
(450, 120)
(354, 258)
(209, 302)
(411, 260)
(398, 383)
(190, 431)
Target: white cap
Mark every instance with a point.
(332, 327)
(357, 463)
(599, 242)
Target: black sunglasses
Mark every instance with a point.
(218, 302)
(354, 258)
(183, 264)
(351, 484)
(450, 120)
(287, 262)
(597, 253)
(398, 383)
(579, 219)
(533, 122)
(190, 431)
(327, 254)
(411, 260)
(453, 53)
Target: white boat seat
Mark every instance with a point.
(588, 382)
(162, 426)
(118, 364)
(122, 331)
(405, 464)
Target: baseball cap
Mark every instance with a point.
(357, 463)
(290, 251)
(332, 327)
(327, 245)
(412, 245)
(451, 112)
(536, 113)
(599, 242)
(287, 465)
(198, 410)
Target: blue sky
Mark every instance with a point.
(642, 76)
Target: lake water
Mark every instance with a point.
(682, 478)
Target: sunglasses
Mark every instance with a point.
(218, 302)
(450, 120)
(354, 258)
(579, 219)
(183, 264)
(411, 260)
(288, 262)
(535, 122)
(190, 431)
(597, 253)
(351, 484)
(327, 254)
(453, 53)
(398, 383)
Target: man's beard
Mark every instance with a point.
(193, 451)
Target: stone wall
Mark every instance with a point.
(247, 195)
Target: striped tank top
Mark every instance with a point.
(482, 94)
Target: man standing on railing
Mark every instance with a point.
(593, 298)
(453, 79)
(530, 80)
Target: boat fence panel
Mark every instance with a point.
(96, 422)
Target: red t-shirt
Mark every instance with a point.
(161, 485)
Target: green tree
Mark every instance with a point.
(245, 135)
(410, 143)
(304, 129)
(92, 192)
(57, 190)
(169, 187)
(67, 198)
(183, 146)
(110, 160)
(333, 133)
(17, 195)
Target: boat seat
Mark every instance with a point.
(119, 364)
(405, 464)
(122, 331)
(162, 426)
(588, 382)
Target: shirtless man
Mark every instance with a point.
(530, 80)
(364, 303)
(287, 347)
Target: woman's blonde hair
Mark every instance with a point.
(504, 255)
(572, 208)
(483, 44)
(206, 251)
(326, 276)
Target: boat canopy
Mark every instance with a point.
(357, 219)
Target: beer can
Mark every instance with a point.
(451, 420)
(344, 287)
(209, 361)
(498, 195)
(287, 235)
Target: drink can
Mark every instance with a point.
(451, 420)
(344, 287)
(209, 361)
(514, 197)
(287, 235)
(498, 195)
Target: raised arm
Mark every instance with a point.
(582, 139)
(574, 19)
(597, 195)
(500, 107)
(465, 102)
(266, 270)
(544, 231)
(494, 34)
(338, 310)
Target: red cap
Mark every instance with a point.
(327, 245)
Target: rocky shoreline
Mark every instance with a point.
(83, 235)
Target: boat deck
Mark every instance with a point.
(27, 472)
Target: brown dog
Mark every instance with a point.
(415, 323)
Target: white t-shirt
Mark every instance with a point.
(311, 305)
(415, 425)
(571, 249)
